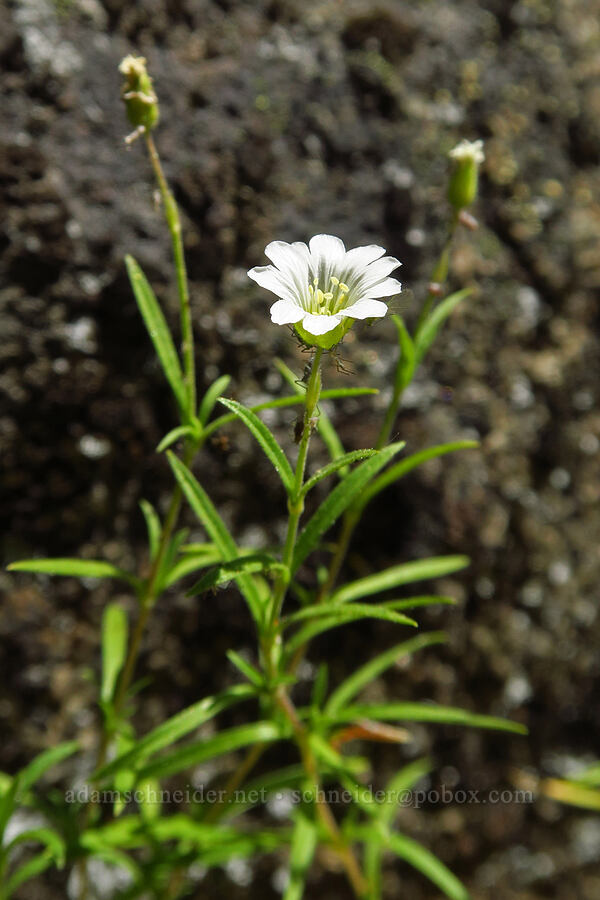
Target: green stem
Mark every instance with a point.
(296, 501)
(342, 849)
(174, 224)
(353, 513)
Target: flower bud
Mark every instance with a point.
(141, 102)
(466, 157)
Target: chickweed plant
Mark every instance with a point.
(158, 843)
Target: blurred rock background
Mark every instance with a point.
(280, 119)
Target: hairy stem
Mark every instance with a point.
(174, 224)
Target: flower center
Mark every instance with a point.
(330, 302)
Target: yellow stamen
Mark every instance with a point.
(335, 281)
(344, 287)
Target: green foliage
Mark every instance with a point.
(156, 844)
(114, 648)
(266, 440)
(158, 330)
(77, 568)
(339, 500)
(405, 573)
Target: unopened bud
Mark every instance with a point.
(138, 94)
(466, 157)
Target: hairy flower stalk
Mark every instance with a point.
(323, 287)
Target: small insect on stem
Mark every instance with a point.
(340, 363)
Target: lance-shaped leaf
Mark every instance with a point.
(405, 573)
(153, 526)
(33, 867)
(351, 611)
(248, 671)
(432, 324)
(77, 568)
(248, 564)
(338, 500)
(302, 850)
(158, 330)
(429, 865)
(211, 396)
(114, 648)
(371, 670)
(176, 434)
(402, 468)
(266, 440)
(46, 836)
(426, 712)
(191, 562)
(225, 742)
(344, 615)
(175, 728)
(341, 463)
(206, 512)
(402, 781)
(284, 402)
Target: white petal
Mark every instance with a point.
(387, 288)
(362, 256)
(289, 257)
(320, 324)
(327, 246)
(284, 312)
(293, 262)
(366, 309)
(271, 279)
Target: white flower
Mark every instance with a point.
(468, 150)
(323, 286)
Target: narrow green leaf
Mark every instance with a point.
(248, 671)
(175, 728)
(426, 712)
(404, 780)
(266, 440)
(206, 512)
(405, 573)
(402, 468)
(340, 463)
(78, 568)
(371, 670)
(338, 500)
(249, 564)
(351, 611)
(199, 751)
(150, 804)
(153, 526)
(429, 865)
(407, 362)
(33, 867)
(590, 775)
(302, 850)
(158, 330)
(189, 564)
(28, 776)
(432, 324)
(284, 402)
(211, 396)
(416, 602)
(114, 648)
(182, 431)
(256, 790)
(46, 836)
